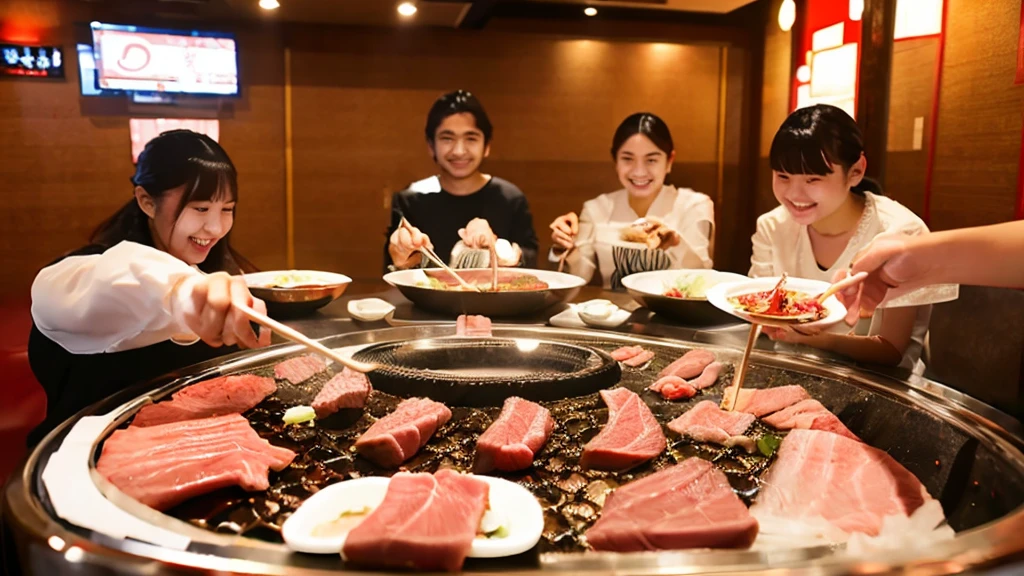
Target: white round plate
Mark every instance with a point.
(294, 278)
(511, 506)
(658, 282)
(327, 505)
(719, 296)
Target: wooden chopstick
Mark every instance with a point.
(300, 338)
(842, 285)
(729, 401)
(434, 258)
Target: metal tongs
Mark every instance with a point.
(433, 258)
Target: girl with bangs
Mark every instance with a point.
(677, 224)
(153, 292)
(828, 213)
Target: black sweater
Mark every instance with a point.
(439, 215)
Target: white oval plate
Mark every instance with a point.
(308, 279)
(719, 296)
(520, 511)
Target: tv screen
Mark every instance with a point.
(140, 59)
(87, 76)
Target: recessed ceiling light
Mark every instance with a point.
(407, 9)
(270, 4)
(590, 11)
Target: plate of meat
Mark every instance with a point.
(518, 291)
(778, 301)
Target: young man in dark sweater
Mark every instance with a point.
(460, 212)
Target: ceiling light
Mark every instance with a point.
(406, 9)
(803, 73)
(590, 11)
(787, 15)
(270, 4)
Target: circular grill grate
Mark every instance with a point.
(486, 371)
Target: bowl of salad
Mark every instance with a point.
(291, 293)
(681, 295)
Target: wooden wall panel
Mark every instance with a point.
(978, 141)
(361, 97)
(910, 97)
(67, 159)
(774, 99)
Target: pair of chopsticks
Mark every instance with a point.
(300, 338)
(565, 255)
(733, 392)
(434, 258)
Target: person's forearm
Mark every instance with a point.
(127, 297)
(986, 255)
(870, 349)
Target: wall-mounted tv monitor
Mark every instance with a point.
(138, 59)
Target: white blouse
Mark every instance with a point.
(781, 245)
(131, 296)
(602, 220)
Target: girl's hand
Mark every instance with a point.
(215, 317)
(790, 335)
(564, 230)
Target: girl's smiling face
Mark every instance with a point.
(810, 198)
(642, 166)
(190, 235)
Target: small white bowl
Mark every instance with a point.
(369, 309)
(601, 314)
(511, 505)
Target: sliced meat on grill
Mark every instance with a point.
(690, 365)
(673, 388)
(347, 389)
(426, 522)
(298, 370)
(821, 479)
(514, 438)
(473, 326)
(398, 436)
(164, 465)
(689, 505)
(708, 377)
(631, 437)
(706, 422)
(761, 402)
(809, 415)
(214, 397)
(626, 352)
(639, 360)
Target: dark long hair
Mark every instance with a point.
(814, 139)
(173, 159)
(649, 125)
(458, 102)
